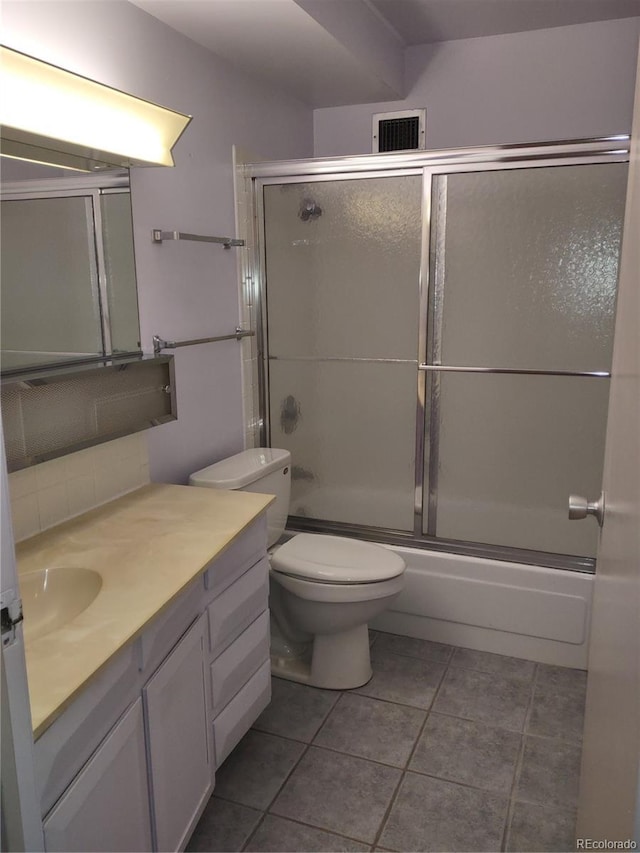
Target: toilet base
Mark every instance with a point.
(339, 661)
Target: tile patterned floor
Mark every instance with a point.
(445, 749)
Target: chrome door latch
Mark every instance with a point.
(10, 617)
(580, 507)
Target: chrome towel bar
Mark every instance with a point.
(159, 236)
(455, 369)
(159, 343)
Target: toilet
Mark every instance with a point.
(323, 589)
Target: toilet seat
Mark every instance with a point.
(339, 593)
(335, 560)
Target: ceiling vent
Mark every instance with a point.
(399, 131)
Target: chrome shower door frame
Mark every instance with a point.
(434, 166)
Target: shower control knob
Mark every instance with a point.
(580, 507)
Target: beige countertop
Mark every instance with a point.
(147, 546)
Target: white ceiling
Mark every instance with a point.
(425, 21)
(333, 52)
(277, 41)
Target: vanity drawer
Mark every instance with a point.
(237, 718)
(245, 552)
(235, 666)
(236, 608)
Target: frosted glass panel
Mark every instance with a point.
(117, 235)
(512, 449)
(343, 262)
(350, 429)
(343, 265)
(50, 304)
(529, 266)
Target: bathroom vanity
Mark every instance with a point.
(138, 699)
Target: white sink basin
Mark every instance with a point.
(53, 597)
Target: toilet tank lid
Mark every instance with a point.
(238, 471)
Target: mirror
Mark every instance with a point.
(67, 267)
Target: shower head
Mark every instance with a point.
(309, 209)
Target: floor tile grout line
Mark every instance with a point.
(496, 673)
(284, 737)
(568, 741)
(445, 666)
(426, 719)
(451, 659)
(527, 719)
(338, 695)
(416, 657)
(403, 775)
(299, 822)
(289, 774)
(429, 710)
(519, 763)
(371, 699)
(579, 696)
(253, 831)
(326, 718)
(357, 692)
(323, 722)
(493, 791)
(406, 766)
(276, 795)
(477, 722)
(511, 802)
(385, 816)
(377, 761)
(507, 675)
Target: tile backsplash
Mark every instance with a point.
(54, 491)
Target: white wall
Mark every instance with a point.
(186, 290)
(563, 83)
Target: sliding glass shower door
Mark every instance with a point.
(523, 292)
(436, 344)
(342, 272)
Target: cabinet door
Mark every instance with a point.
(106, 807)
(180, 765)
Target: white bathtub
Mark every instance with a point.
(526, 611)
(507, 608)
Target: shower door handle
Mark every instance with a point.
(580, 507)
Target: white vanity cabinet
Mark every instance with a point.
(181, 771)
(130, 764)
(146, 784)
(115, 774)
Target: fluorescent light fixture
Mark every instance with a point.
(52, 116)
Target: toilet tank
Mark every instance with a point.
(260, 469)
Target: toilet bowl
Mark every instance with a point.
(323, 589)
